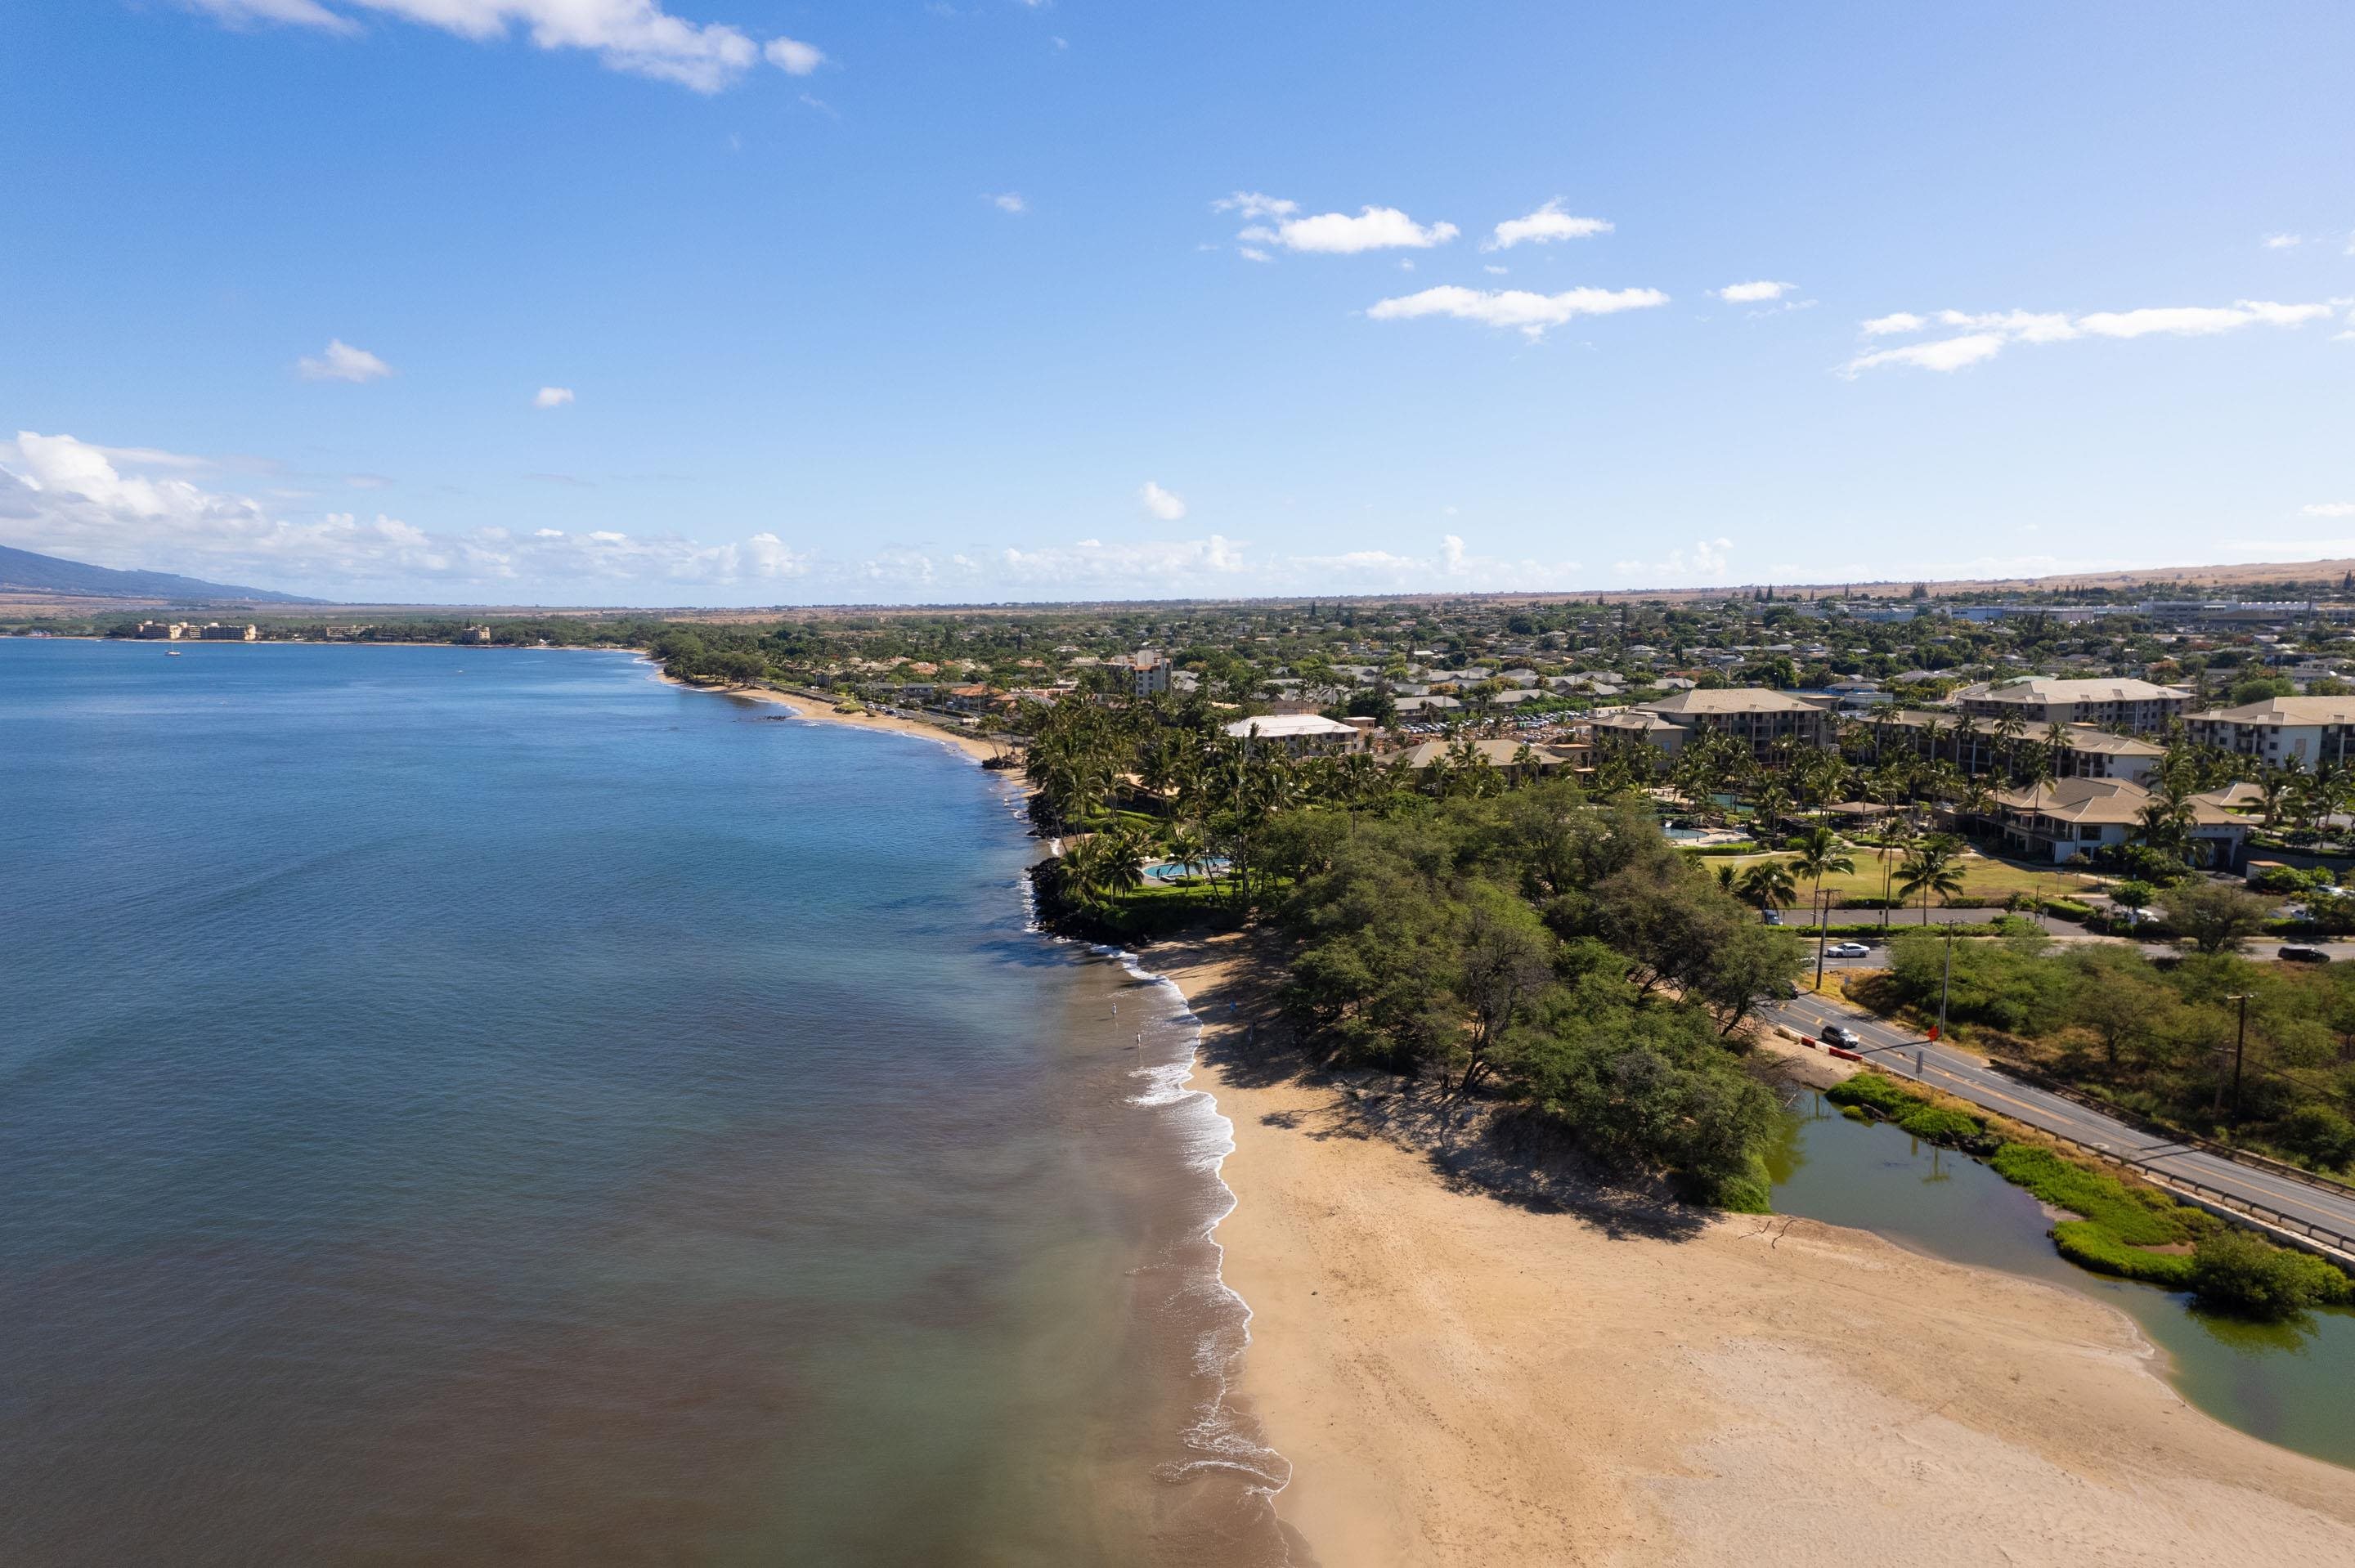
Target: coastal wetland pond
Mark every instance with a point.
(2291, 1383)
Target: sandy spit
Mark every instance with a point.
(1459, 1378)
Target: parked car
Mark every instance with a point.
(1774, 917)
(2304, 956)
(1840, 1034)
(1849, 950)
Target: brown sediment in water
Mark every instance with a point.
(1460, 1377)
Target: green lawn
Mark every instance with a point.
(1985, 881)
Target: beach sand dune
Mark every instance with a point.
(1462, 1378)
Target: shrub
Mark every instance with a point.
(1909, 1110)
(2235, 1272)
(1936, 1125)
(2088, 1246)
(2138, 1216)
(2319, 1134)
(1873, 1091)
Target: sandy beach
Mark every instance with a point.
(818, 710)
(1461, 1378)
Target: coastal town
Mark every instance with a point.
(1036, 785)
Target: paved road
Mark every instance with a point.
(1968, 1077)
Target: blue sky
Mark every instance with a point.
(989, 299)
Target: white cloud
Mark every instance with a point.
(1252, 253)
(551, 397)
(1161, 567)
(1986, 334)
(2197, 320)
(1543, 227)
(1493, 269)
(1252, 205)
(302, 12)
(2283, 241)
(1532, 313)
(1705, 559)
(2330, 509)
(151, 457)
(64, 497)
(342, 362)
(2028, 326)
(635, 36)
(1941, 354)
(793, 57)
(1007, 201)
(1753, 293)
(1164, 504)
(1339, 234)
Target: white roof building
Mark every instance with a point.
(1296, 732)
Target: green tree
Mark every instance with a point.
(1821, 854)
(2118, 998)
(1933, 865)
(2215, 918)
(1768, 884)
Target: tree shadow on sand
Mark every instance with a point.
(1501, 1151)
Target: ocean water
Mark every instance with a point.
(2291, 1383)
(466, 1106)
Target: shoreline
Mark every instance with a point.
(1458, 1376)
(812, 710)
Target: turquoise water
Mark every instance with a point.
(465, 1106)
(2291, 1385)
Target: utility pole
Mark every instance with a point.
(2240, 1045)
(1823, 928)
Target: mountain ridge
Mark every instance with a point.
(27, 572)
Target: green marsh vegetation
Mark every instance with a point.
(2121, 1226)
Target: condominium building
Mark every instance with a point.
(1753, 715)
(2086, 751)
(2106, 703)
(2283, 732)
(2070, 819)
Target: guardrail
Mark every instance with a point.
(2338, 1242)
(2249, 1158)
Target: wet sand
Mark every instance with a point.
(818, 710)
(1462, 1378)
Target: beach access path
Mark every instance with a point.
(2300, 1200)
(1465, 1379)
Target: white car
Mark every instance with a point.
(1849, 951)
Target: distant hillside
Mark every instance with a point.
(27, 572)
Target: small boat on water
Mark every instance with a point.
(171, 653)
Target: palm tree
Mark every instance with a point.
(1932, 866)
(1768, 884)
(1188, 848)
(1821, 854)
(1103, 864)
(2008, 730)
(2274, 785)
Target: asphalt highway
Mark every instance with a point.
(1968, 1077)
